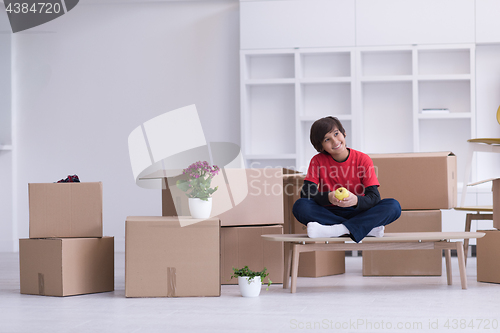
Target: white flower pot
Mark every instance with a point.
(251, 289)
(200, 209)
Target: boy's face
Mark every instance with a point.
(334, 144)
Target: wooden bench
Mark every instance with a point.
(391, 241)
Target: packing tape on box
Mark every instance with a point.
(165, 145)
(171, 281)
(41, 284)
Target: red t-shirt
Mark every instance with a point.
(355, 174)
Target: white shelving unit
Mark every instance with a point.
(396, 84)
(377, 92)
(283, 92)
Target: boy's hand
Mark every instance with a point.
(350, 201)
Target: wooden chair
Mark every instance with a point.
(491, 145)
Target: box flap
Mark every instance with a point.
(174, 221)
(419, 155)
(159, 174)
(482, 181)
(244, 197)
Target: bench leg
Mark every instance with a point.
(447, 255)
(288, 265)
(295, 266)
(461, 264)
(468, 222)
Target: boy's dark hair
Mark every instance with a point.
(321, 127)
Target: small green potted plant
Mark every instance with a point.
(250, 282)
(197, 188)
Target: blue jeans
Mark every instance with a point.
(359, 223)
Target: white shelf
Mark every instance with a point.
(323, 99)
(454, 95)
(286, 51)
(451, 77)
(270, 108)
(453, 60)
(325, 80)
(269, 66)
(451, 115)
(5, 147)
(395, 78)
(450, 134)
(325, 64)
(387, 108)
(377, 62)
(396, 84)
(256, 82)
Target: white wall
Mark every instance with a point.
(6, 226)
(84, 81)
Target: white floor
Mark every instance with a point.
(342, 303)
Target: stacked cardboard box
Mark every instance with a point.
(66, 253)
(488, 247)
(172, 256)
(411, 262)
(423, 183)
(311, 264)
(249, 203)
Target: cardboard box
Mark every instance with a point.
(418, 180)
(244, 246)
(496, 203)
(65, 210)
(407, 262)
(172, 256)
(66, 266)
(318, 263)
(248, 197)
(292, 185)
(488, 260)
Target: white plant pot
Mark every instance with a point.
(251, 289)
(200, 209)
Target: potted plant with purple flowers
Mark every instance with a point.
(198, 188)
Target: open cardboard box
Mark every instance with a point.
(418, 180)
(243, 196)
